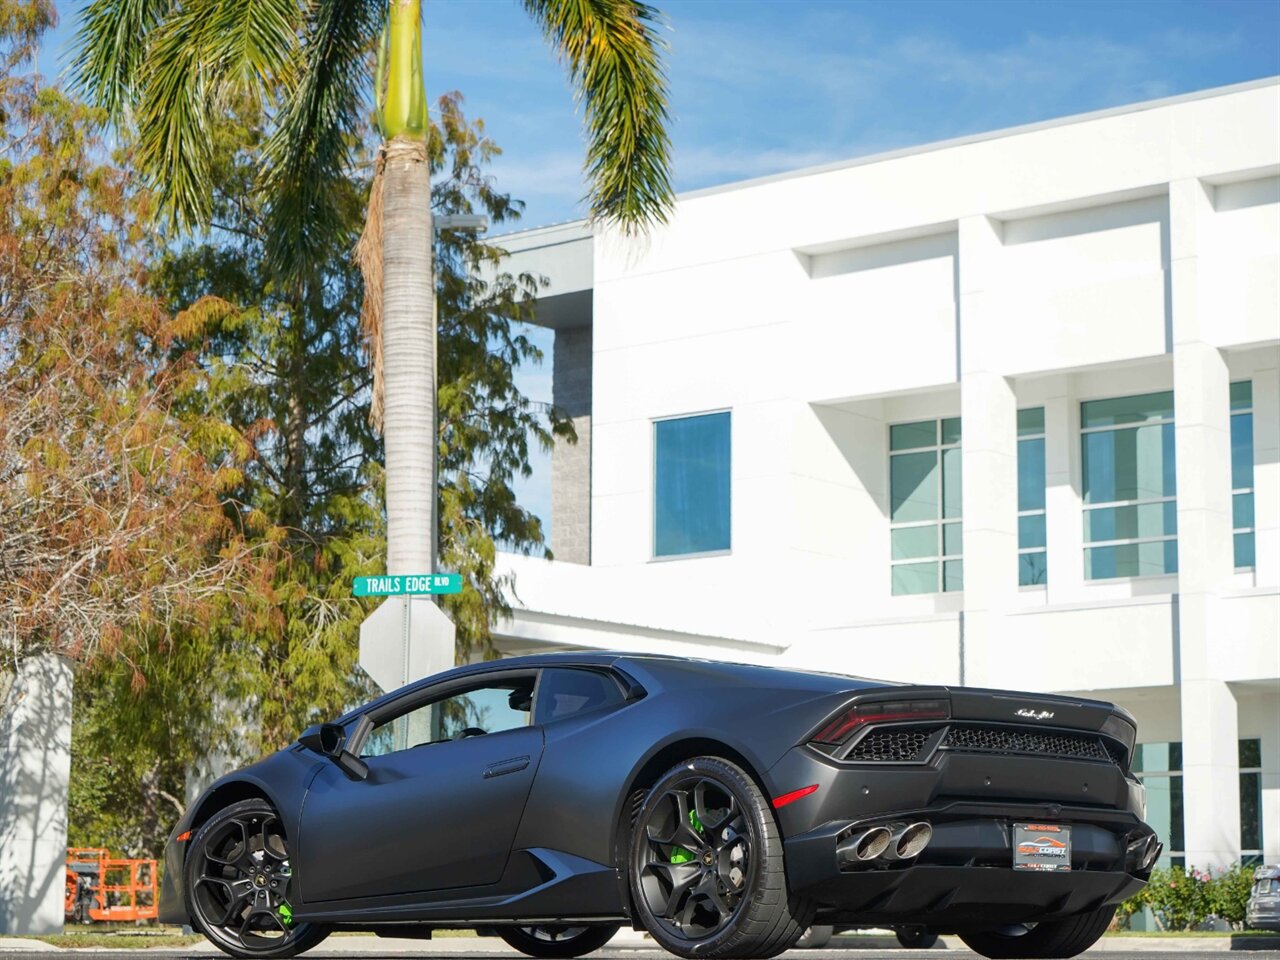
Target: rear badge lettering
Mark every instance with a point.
(1033, 714)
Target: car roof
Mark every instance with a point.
(650, 662)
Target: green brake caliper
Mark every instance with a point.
(680, 854)
(286, 914)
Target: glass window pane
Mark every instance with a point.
(1033, 569)
(1242, 510)
(1135, 463)
(1242, 395)
(1031, 474)
(911, 542)
(1118, 410)
(1030, 421)
(1031, 531)
(1243, 547)
(1241, 451)
(1158, 757)
(1250, 753)
(951, 494)
(951, 430)
(1131, 560)
(913, 487)
(952, 575)
(915, 578)
(1134, 522)
(567, 693)
(1251, 811)
(952, 539)
(691, 485)
(909, 436)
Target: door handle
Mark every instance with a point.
(501, 767)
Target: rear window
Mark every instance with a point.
(569, 693)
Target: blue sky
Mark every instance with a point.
(764, 86)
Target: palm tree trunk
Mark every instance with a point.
(409, 363)
(408, 294)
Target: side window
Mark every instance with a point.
(486, 709)
(567, 693)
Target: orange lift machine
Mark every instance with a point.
(109, 890)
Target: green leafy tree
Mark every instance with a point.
(112, 499)
(173, 68)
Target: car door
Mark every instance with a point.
(447, 784)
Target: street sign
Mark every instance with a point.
(401, 584)
(405, 639)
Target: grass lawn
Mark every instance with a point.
(119, 941)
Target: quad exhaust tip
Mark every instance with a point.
(908, 841)
(899, 841)
(869, 846)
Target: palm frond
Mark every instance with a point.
(614, 57)
(319, 129)
(112, 41)
(193, 59)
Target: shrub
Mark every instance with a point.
(1184, 899)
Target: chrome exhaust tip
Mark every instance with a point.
(866, 846)
(908, 840)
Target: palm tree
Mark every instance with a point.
(168, 68)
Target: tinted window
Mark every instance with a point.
(567, 693)
(491, 708)
(691, 485)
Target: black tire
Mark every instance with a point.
(237, 878)
(915, 938)
(559, 942)
(1045, 941)
(706, 866)
(815, 938)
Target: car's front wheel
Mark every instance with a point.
(557, 941)
(1054, 940)
(707, 873)
(238, 876)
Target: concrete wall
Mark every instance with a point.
(35, 740)
(571, 375)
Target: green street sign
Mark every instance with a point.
(391, 586)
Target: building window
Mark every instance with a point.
(691, 485)
(1159, 767)
(1033, 565)
(1127, 467)
(1251, 801)
(1242, 473)
(924, 507)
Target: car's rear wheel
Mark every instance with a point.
(1053, 940)
(707, 873)
(557, 941)
(915, 938)
(238, 877)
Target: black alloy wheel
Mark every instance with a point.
(558, 941)
(238, 879)
(706, 866)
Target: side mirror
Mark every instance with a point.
(330, 740)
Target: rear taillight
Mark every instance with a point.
(850, 720)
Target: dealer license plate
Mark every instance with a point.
(1041, 846)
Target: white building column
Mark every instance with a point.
(35, 744)
(1201, 382)
(989, 458)
(1064, 531)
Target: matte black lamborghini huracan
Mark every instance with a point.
(723, 808)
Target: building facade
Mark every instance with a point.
(1001, 411)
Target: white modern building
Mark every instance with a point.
(1001, 411)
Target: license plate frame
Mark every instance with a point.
(1042, 847)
